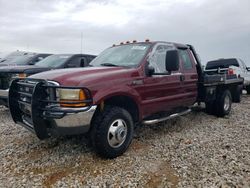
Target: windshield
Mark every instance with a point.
(53, 61)
(125, 55)
(10, 57)
(19, 60)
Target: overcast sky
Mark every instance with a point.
(218, 29)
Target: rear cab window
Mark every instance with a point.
(185, 59)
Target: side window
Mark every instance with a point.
(158, 58)
(37, 59)
(74, 62)
(185, 58)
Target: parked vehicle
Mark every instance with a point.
(22, 58)
(12, 55)
(52, 62)
(233, 66)
(1, 55)
(129, 84)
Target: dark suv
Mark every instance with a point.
(23, 58)
(7, 73)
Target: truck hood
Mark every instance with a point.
(28, 69)
(88, 76)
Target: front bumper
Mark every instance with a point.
(4, 97)
(4, 93)
(73, 123)
(37, 112)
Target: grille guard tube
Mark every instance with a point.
(41, 112)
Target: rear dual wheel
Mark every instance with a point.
(222, 105)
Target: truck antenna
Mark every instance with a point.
(81, 42)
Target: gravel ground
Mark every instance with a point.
(196, 150)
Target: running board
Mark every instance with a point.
(154, 121)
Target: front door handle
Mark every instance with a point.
(182, 78)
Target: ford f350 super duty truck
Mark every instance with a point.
(126, 85)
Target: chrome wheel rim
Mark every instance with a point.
(117, 133)
(226, 103)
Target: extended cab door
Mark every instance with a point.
(160, 92)
(189, 77)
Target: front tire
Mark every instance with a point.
(223, 103)
(112, 131)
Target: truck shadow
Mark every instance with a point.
(80, 143)
(177, 124)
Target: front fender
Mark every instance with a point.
(103, 94)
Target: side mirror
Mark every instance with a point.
(172, 60)
(83, 62)
(32, 63)
(248, 68)
(40, 58)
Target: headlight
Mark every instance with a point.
(20, 75)
(71, 97)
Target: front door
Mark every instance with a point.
(160, 92)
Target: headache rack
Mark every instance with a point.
(33, 101)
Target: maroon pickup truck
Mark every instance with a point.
(126, 85)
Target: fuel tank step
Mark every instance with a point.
(154, 121)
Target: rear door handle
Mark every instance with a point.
(182, 78)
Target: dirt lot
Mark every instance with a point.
(196, 150)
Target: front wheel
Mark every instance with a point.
(112, 131)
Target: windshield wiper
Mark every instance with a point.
(109, 65)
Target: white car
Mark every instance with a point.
(243, 71)
(233, 66)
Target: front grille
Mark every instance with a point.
(33, 103)
(25, 90)
(5, 80)
(38, 98)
